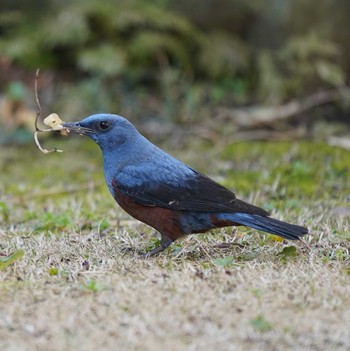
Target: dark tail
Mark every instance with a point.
(270, 225)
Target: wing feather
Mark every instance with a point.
(197, 193)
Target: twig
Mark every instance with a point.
(38, 115)
(341, 142)
(45, 151)
(250, 117)
(255, 135)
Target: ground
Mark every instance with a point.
(82, 283)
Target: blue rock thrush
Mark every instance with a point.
(165, 193)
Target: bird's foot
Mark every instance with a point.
(164, 243)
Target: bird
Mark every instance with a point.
(165, 193)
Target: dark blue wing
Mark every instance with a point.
(188, 191)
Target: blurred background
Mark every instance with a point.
(272, 69)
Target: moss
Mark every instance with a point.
(300, 169)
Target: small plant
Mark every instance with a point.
(92, 286)
(226, 261)
(4, 211)
(287, 253)
(261, 324)
(53, 271)
(5, 261)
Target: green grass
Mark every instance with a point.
(83, 285)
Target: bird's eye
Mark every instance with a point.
(104, 125)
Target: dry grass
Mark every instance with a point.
(82, 284)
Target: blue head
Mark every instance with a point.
(109, 131)
(121, 144)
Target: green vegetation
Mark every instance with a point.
(5, 261)
(123, 55)
(300, 170)
(260, 324)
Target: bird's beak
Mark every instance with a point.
(75, 127)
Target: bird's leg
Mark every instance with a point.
(164, 243)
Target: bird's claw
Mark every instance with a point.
(164, 244)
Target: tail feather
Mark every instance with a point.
(270, 225)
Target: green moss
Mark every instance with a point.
(300, 169)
